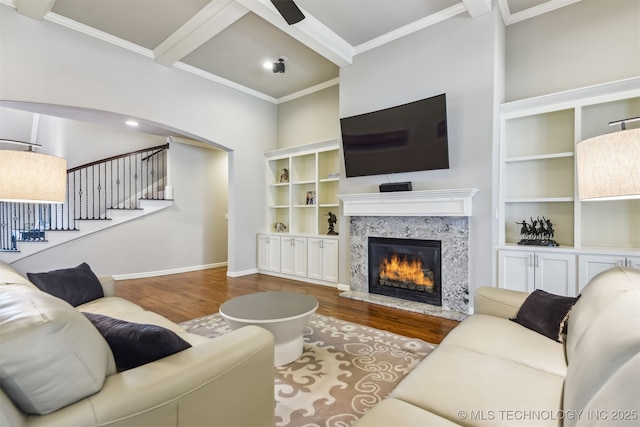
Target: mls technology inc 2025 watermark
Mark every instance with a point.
(548, 415)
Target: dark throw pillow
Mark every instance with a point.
(134, 344)
(545, 313)
(75, 285)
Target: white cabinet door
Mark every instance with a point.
(323, 259)
(330, 260)
(274, 253)
(263, 253)
(591, 265)
(527, 271)
(300, 257)
(269, 253)
(555, 273)
(314, 253)
(286, 254)
(294, 256)
(515, 270)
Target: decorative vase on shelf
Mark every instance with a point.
(284, 176)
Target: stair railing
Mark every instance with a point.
(117, 182)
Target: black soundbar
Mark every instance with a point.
(395, 186)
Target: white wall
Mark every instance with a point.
(45, 63)
(15, 125)
(456, 57)
(80, 143)
(586, 43)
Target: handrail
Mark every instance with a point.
(155, 153)
(119, 156)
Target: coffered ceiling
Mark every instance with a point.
(228, 41)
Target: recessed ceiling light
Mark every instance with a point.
(132, 123)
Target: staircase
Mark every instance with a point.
(100, 195)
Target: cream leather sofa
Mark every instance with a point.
(226, 381)
(490, 371)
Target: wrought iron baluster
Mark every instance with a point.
(80, 193)
(135, 182)
(154, 182)
(130, 187)
(111, 186)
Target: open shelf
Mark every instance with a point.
(540, 134)
(559, 213)
(302, 203)
(541, 178)
(597, 218)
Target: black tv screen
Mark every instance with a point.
(405, 138)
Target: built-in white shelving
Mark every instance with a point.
(302, 187)
(537, 179)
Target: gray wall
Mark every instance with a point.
(46, 63)
(584, 44)
(311, 118)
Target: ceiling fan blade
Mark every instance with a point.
(289, 11)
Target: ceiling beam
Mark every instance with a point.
(310, 32)
(477, 7)
(503, 6)
(208, 22)
(549, 6)
(35, 9)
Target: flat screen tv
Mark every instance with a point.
(405, 138)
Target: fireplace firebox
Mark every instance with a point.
(406, 268)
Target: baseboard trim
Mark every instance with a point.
(300, 279)
(241, 273)
(343, 287)
(146, 274)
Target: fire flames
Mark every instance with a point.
(400, 269)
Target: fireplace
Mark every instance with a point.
(437, 215)
(405, 268)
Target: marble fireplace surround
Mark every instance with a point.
(431, 214)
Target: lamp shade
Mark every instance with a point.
(609, 166)
(30, 177)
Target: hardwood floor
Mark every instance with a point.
(186, 296)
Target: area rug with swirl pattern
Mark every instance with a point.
(344, 370)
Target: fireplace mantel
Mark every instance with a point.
(455, 202)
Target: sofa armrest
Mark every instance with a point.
(498, 302)
(226, 381)
(108, 285)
